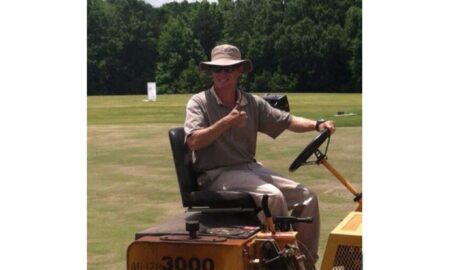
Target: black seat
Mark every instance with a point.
(202, 200)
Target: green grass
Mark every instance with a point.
(170, 108)
(132, 183)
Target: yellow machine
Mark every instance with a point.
(344, 246)
(220, 230)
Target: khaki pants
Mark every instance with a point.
(284, 195)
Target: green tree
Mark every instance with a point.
(99, 21)
(268, 19)
(179, 53)
(353, 32)
(136, 29)
(295, 45)
(333, 72)
(207, 24)
(122, 52)
(281, 82)
(238, 19)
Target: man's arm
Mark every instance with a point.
(205, 136)
(300, 124)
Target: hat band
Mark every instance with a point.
(225, 56)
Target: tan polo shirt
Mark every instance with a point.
(236, 145)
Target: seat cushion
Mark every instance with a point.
(221, 199)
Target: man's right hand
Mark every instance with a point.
(236, 117)
(205, 136)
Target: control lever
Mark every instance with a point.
(192, 227)
(284, 223)
(265, 207)
(293, 220)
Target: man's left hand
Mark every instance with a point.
(330, 125)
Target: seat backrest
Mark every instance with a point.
(191, 196)
(182, 157)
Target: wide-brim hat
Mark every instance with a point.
(226, 55)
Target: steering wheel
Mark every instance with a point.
(309, 150)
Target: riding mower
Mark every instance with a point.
(220, 229)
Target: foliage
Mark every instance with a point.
(295, 45)
(122, 52)
(179, 52)
(353, 32)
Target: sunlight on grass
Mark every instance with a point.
(132, 182)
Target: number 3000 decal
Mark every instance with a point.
(180, 263)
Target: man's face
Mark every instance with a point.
(225, 77)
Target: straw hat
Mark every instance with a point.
(226, 55)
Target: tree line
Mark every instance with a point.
(295, 45)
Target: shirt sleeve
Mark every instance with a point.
(195, 117)
(272, 121)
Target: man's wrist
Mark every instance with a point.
(318, 123)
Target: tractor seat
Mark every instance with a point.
(202, 200)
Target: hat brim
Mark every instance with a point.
(206, 66)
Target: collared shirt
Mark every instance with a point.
(241, 98)
(237, 145)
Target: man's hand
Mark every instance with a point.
(330, 125)
(237, 117)
(205, 136)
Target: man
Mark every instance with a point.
(221, 129)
